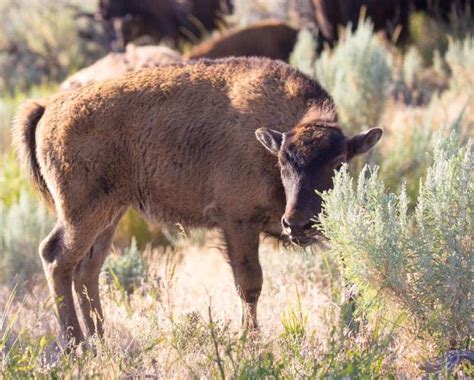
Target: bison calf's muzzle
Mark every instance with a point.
(300, 234)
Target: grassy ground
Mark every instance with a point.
(182, 322)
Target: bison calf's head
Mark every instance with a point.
(308, 155)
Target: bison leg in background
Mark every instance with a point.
(86, 279)
(242, 241)
(63, 249)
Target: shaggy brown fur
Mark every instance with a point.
(114, 65)
(178, 144)
(270, 38)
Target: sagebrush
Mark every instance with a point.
(419, 262)
(357, 73)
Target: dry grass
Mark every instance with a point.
(164, 328)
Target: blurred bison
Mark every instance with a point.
(116, 64)
(390, 16)
(170, 19)
(270, 38)
(386, 15)
(442, 8)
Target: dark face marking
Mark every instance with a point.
(307, 159)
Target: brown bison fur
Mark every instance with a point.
(170, 19)
(114, 65)
(270, 38)
(181, 144)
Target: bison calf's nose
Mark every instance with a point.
(295, 228)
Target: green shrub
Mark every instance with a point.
(304, 53)
(420, 262)
(460, 59)
(412, 67)
(357, 74)
(127, 269)
(39, 41)
(406, 156)
(23, 225)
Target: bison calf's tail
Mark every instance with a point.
(24, 140)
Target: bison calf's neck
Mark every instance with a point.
(237, 144)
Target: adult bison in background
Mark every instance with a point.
(443, 9)
(269, 38)
(114, 65)
(239, 144)
(386, 15)
(169, 19)
(390, 16)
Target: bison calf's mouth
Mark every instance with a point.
(302, 241)
(300, 235)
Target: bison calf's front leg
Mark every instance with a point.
(249, 290)
(242, 251)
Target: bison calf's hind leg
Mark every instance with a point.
(86, 280)
(59, 272)
(242, 250)
(61, 252)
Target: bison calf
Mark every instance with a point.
(237, 144)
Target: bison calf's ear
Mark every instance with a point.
(363, 142)
(270, 139)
